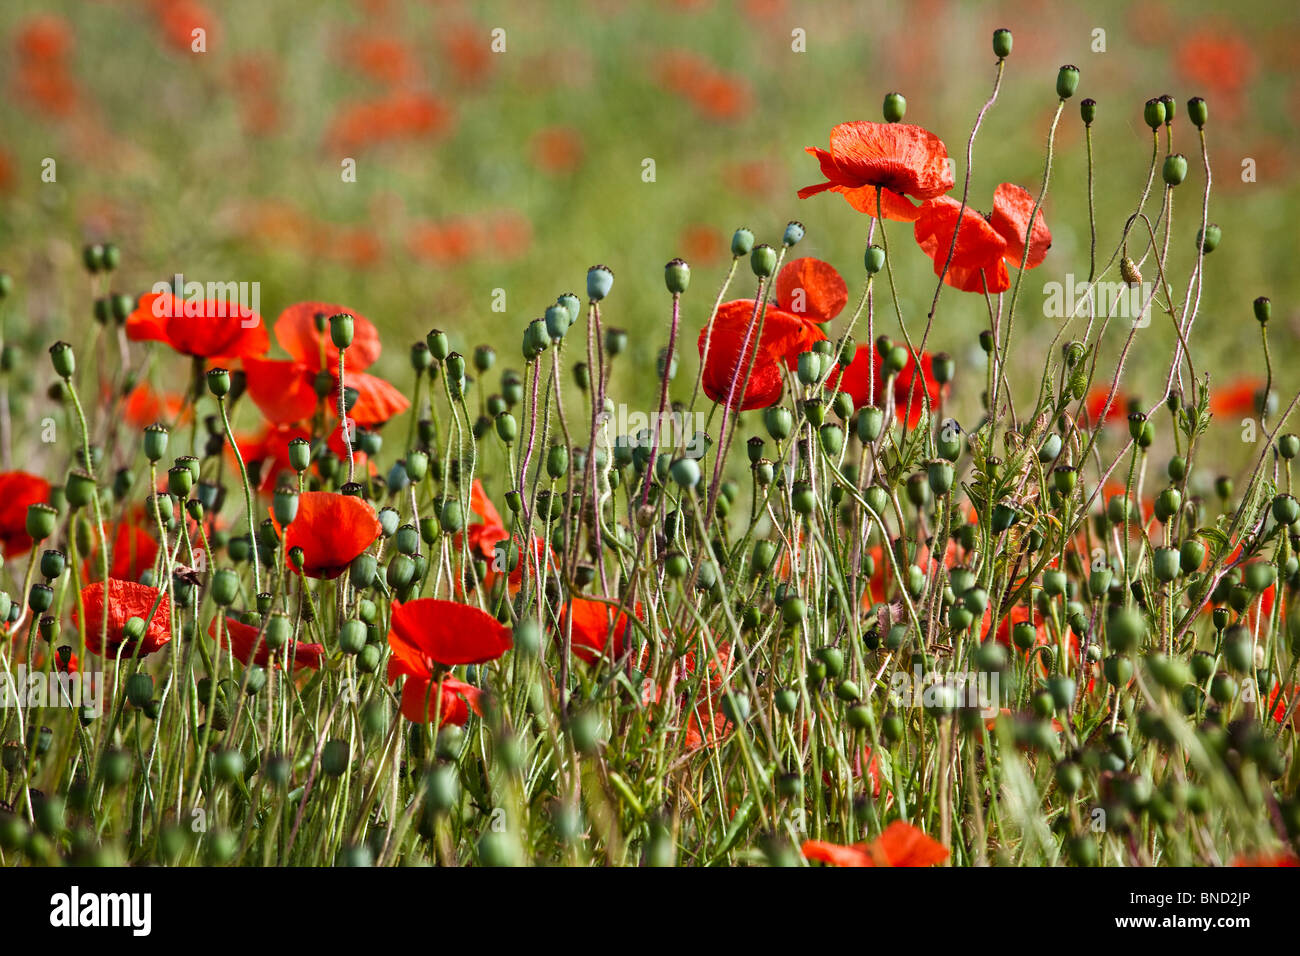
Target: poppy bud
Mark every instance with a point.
(895, 107)
(41, 519)
(616, 341)
(1263, 310)
(1197, 111)
(341, 330)
(1208, 238)
(874, 259)
(1286, 509)
(1154, 113)
(742, 242)
(842, 404)
(778, 421)
(439, 347)
(450, 518)
(1223, 486)
(557, 461)
(507, 427)
(940, 474)
(831, 437)
(763, 260)
(1067, 81)
(299, 454)
(284, 504)
(1288, 446)
(686, 472)
(40, 597)
(600, 279)
(581, 376)
(896, 360)
(1167, 503)
(225, 587)
(809, 368)
(1170, 106)
(794, 231)
(1175, 169)
(421, 358)
(218, 382)
(63, 359)
(1002, 44)
(871, 422)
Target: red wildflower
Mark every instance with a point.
(900, 845)
(897, 158)
(1281, 858)
(242, 638)
(331, 529)
(401, 114)
(784, 336)
(205, 329)
(984, 245)
(18, 490)
(429, 635)
(133, 550)
(1096, 403)
(1239, 397)
(144, 406)
(857, 379)
(595, 630)
(125, 600)
(811, 289)
(557, 149)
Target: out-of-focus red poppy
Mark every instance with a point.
(331, 529)
(1280, 858)
(212, 329)
(121, 601)
(134, 550)
(557, 149)
(1280, 700)
(178, 19)
(1096, 402)
(596, 631)
(467, 47)
(381, 56)
(900, 845)
(44, 37)
(984, 246)
(702, 244)
(898, 158)
(1241, 396)
(715, 93)
(43, 76)
(429, 635)
(1217, 59)
(143, 406)
(784, 337)
(811, 289)
(397, 115)
(867, 370)
(242, 638)
(18, 490)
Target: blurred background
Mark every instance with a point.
(504, 146)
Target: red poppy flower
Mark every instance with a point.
(900, 845)
(285, 391)
(811, 289)
(909, 403)
(242, 638)
(133, 550)
(18, 490)
(1100, 400)
(143, 406)
(1239, 397)
(208, 329)
(429, 635)
(595, 631)
(784, 336)
(125, 600)
(898, 158)
(331, 529)
(1282, 858)
(984, 245)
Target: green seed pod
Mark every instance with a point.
(1088, 111)
(1125, 630)
(778, 421)
(1167, 503)
(763, 261)
(1067, 81)
(335, 756)
(831, 437)
(401, 571)
(794, 233)
(600, 279)
(1175, 169)
(63, 359)
(284, 505)
(1166, 564)
(218, 380)
(1259, 576)
(895, 107)
(686, 472)
(871, 421)
(1153, 113)
(1002, 44)
(1197, 112)
(677, 276)
(341, 330)
(1191, 555)
(155, 441)
(557, 461)
(450, 518)
(407, 539)
(1208, 238)
(742, 242)
(1286, 509)
(352, 637)
(940, 474)
(225, 587)
(874, 259)
(41, 519)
